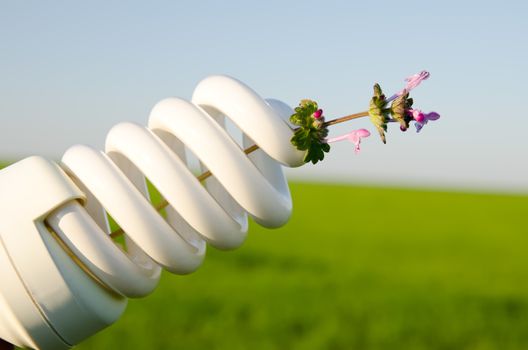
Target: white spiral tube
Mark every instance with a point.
(64, 278)
(216, 213)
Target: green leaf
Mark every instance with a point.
(301, 139)
(311, 133)
(377, 90)
(378, 112)
(397, 110)
(325, 147)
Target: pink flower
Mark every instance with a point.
(415, 80)
(416, 114)
(318, 114)
(354, 136)
(412, 82)
(424, 119)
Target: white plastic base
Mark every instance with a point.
(47, 301)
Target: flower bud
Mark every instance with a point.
(418, 115)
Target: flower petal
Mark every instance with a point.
(363, 132)
(415, 80)
(354, 137)
(432, 116)
(412, 82)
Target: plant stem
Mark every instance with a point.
(248, 150)
(345, 118)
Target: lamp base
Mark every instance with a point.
(47, 300)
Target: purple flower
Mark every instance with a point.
(354, 136)
(424, 118)
(412, 82)
(318, 114)
(416, 114)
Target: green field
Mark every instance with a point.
(356, 268)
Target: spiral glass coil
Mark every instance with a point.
(214, 212)
(64, 277)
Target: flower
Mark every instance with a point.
(318, 114)
(422, 118)
(415, 114)
(412, 82)
(415, 80)
(354, 136)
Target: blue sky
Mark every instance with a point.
(71, 70)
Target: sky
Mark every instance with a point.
(70, 70)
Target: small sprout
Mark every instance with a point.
(311, 134)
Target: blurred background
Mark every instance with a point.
(417, 244)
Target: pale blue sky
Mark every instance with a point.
(71, 70)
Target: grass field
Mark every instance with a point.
(356, 268)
